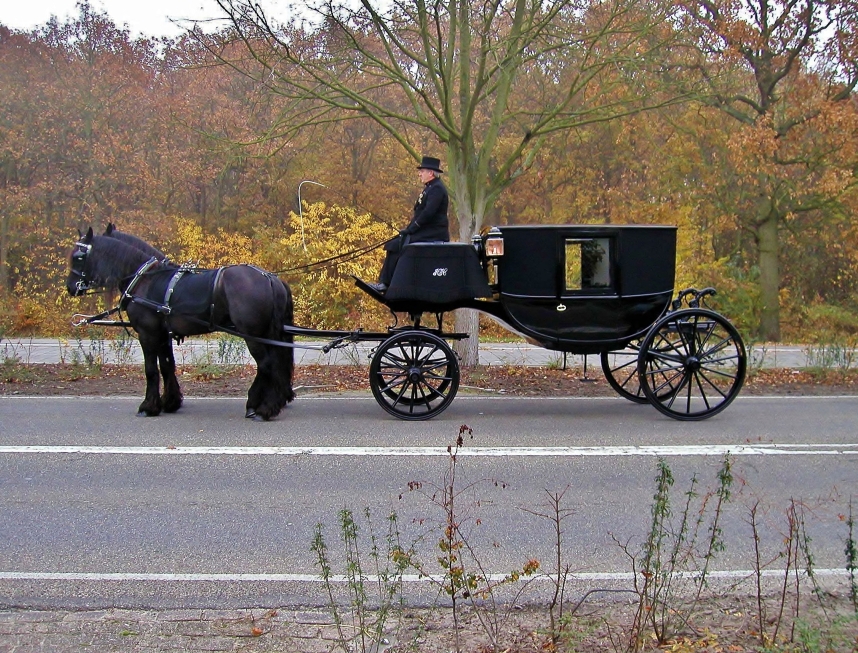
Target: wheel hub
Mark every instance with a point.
(692, 363)
(415, 374)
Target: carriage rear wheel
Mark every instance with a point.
(692, 364)
(621, 371)
(414, 375)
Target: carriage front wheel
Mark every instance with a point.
(692, 364)
(414, 375)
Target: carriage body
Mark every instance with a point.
(582, 289)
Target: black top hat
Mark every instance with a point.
(430, 163)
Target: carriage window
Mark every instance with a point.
(588, 264)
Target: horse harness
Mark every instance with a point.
(165, 307)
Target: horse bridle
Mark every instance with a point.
(78, 267)
(83, 284)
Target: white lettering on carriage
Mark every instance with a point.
(440, 272)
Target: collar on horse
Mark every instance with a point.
(143, 269)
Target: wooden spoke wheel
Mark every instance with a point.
(414, 375)
(692, 364)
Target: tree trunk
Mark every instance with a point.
(468, 321)
(469, 202)
(4, 252)
(767, 244)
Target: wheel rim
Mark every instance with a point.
(692, 364)
(414, 375)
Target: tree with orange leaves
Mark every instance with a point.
(783, 71)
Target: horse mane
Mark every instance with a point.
(113, 260)
(134, 241)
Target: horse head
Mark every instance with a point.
(101, 262)
(80, 279)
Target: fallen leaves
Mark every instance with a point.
(113, 380)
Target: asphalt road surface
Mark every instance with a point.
(203, 508)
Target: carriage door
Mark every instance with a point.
(586, 290)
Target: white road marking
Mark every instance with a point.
(474, 452)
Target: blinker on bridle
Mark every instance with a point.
(78, 266)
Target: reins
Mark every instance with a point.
(306, 268)
(333, 261)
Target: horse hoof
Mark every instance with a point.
(250, 413)
(143, 413)
(260, 418)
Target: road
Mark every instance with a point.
(206, 509)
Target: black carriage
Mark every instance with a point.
(579, 289)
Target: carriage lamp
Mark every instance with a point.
(494, 243)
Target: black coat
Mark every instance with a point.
(430, 222)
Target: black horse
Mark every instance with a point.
(164, 301)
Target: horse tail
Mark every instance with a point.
(288, 309)
(282, 315)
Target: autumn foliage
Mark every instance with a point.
(162, 139)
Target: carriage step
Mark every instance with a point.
(370, 289)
